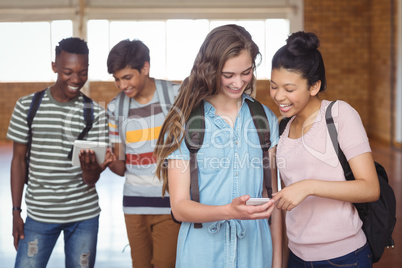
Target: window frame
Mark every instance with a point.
(80, 14)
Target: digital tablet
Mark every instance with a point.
(257, 201)
(98, 147)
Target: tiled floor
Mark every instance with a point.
(112, 234)
(112, 238)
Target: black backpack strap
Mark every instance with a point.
(35, 103)
(88, 116)
(89, 119)
(33, 108)
(368, 211)
(262, 125)
(194, 138)
(333, 133)
(282, 124)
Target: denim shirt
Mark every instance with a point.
(230, 165)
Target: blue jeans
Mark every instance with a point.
(80, 240)
(360, 258)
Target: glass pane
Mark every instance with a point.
(60, 29)
(98, 44)
(257, 30)
(25, 52)
(151, 33)
(27, 49)
(184, 38)
(174, 44)
(277, 31)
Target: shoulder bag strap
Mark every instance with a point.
(333, 133)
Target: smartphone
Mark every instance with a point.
(257, 201)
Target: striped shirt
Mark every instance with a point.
(142, 192)
(56, 192)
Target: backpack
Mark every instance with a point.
(35, 103)
(378, 217)
(194, 137)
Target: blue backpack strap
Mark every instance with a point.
(123, 103)
(166, 94)
(194, 138)
(33, 108)
(123, 108)
(89, 119)
(261, 123)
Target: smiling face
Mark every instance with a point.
(237, 73)
(291, 92)
(72, 74)
(131, 81)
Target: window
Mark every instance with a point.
(174, 44)
(27, 49)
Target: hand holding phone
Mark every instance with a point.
(257, 201)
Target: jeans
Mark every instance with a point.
(80, 240)
(360, 258)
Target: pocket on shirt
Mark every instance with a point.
(213, 157)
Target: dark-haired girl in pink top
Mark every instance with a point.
(323, 226)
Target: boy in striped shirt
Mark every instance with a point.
(59, 197)
(135, 119)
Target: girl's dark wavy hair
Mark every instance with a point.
(301, 55)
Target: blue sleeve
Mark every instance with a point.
(181, 153)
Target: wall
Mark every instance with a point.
(343, 29)
(355, 43)
(10, 93)
(101, 92)
(381, 66)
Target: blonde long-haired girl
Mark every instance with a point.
(230, 169)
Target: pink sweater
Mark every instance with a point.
(321, 228)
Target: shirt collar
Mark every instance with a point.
(210, 109)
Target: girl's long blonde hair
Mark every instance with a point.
(221, 44)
